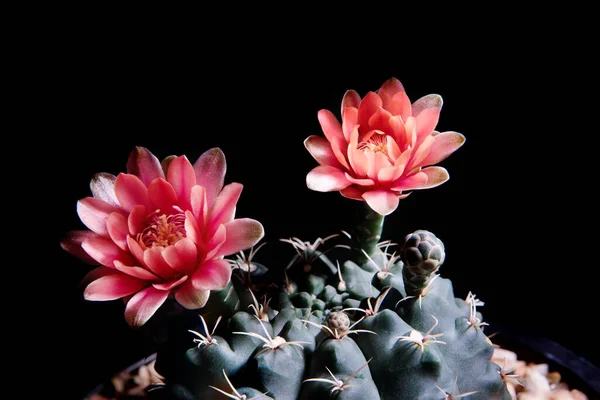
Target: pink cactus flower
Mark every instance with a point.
(384, 147)
(161, 230)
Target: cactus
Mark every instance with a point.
(389, 328)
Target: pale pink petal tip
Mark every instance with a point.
(382, 202)
(144, 165)
(142, 306)
(326, 178)
(210, 171)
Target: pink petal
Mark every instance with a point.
(382, 202)
(212, 275)
(144, 165)
(223, 210)
(116, 225)
(353, 192)
(136, 250)
(157, 264)
(182, 257)
(96, 273)
(192, 230)
(190, 297)
(103, 188)
(368, 106)
(143, 305)
(358, 159)
(410, 128)
(400, 106)
(72, 244)
(165, 164)
(360, 182)
(162, 195)
(170, 285)
(398, 132)
(445, 144)
(333, 132)
(199, 204)
(216, 242)
(380, 121)
(402, 161)
(351, 99)
(388, 175)
(330, 125)
(326, 178)
(105, 251)
(420, 153)
(414, 181)
(393, 150)
(435, 176)
(93, 213)
(349, 121)
(210, 173)
(241, 234)
(130, 191)
(376, 161)
(112, 286)
(387, 91)
(136, 222)
(182, 177)
(426, 111)
(320, 149)
(135, 271)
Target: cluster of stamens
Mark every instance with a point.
(163, 230)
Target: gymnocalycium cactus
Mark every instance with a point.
(361, 319)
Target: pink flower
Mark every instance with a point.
(160, 231)
(381, 148)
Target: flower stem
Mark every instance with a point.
(366, 231)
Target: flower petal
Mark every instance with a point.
(93, 213)
(383, 202)
(135, 271)
(210, 172)
(400, 106)
(241, 234)
(116, 225)
(72, 244)
(212, 275)
(445, 144)
(320, 149)
(144, 165)
(112, 286)
(182, 177)
(388, 90)
(141, 307)
(162, 195)
(105, 251)
(426, 111)
(330, 125)
(136, 250)
(420, 153)
(223, 210)
(360, 182)
(199, 204)
(368, 106)
(349, 121)
(190, 297)
(136, 222)
(387, 175)
(353, 192)
(182, 257)
(435, 177)
(170, 285)
(130, 191)
(409, 182)
(351, 99)
(215, 242)
(326, 178)
(157, 264)
(103, 188)
(192, 230)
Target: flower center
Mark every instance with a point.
(163, 230)
(376, 143)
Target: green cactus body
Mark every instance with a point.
(388, 328)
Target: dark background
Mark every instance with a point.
(514, 216)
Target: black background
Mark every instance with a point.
(515, 215)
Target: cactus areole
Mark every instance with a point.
(349, 316)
